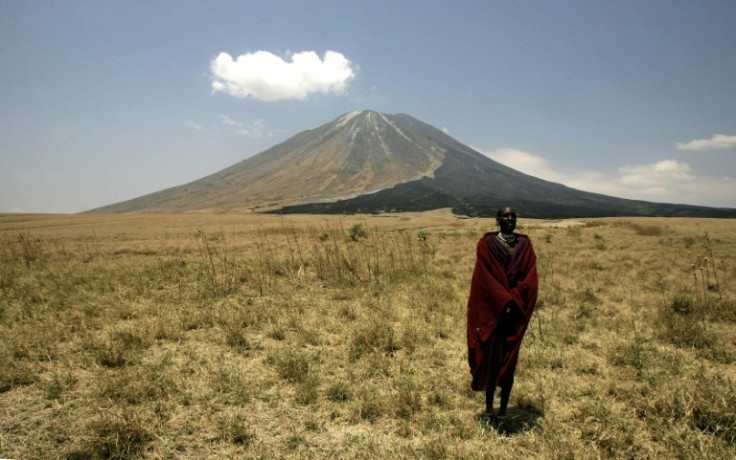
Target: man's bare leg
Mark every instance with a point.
(489, 401)
(491, 392)
(505, 394)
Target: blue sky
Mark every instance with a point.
(103, 101)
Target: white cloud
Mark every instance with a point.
(256, 128)
(267, 77)
(517, 159)
(655, 176)
(666, 181)
(193, 124)
(525, 162)
(718, 141)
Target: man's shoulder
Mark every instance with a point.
(525, 242)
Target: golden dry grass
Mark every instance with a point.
(249, 336)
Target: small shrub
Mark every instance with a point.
(587, 297)
(30, 249)
(135, 385)
(347, 312)
(236, 339)
(682, 323)
(16, 373)
(723, 310)
(231, 383)
(276, 333)
(370, 407)
(713, 407)
(59, 384)
(120, 348)
(683, 304)
(594, 265)
(307, 391)
(234, 429)
(647, 230)
(377, 335)
(339, 392)
(117, 437)
(600, 242)
(357, 232)
(294, 367)
(408, 400)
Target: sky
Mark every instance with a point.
(103, 101)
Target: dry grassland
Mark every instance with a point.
(246, 336)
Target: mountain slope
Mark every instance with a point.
(366, 162)
(357, 153)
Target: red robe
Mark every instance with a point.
(499, 281)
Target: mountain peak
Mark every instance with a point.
(367, 161)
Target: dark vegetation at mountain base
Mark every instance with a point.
(336, 168)
(472, 186)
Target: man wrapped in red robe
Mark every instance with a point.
(503, 293)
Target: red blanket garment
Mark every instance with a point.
(500, 280)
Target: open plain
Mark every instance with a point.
(259, 336)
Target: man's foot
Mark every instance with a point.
(501, 423)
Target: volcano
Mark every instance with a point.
(370, 162)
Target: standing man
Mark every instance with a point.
(503, 293)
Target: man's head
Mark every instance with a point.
(506, 219)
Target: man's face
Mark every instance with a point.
(507, 220)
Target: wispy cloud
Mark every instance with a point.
(193, 124)
(254, 128)
(267, 77)
(655, 178)
(525, 162)
(668, 180)
(718, 141)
